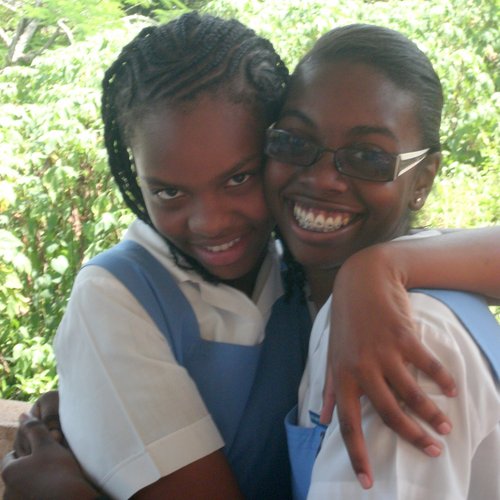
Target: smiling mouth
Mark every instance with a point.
(320, 221)
(223, 247)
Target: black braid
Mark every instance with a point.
(294, 274)
(174, 63)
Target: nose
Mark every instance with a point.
(324, 176)
(210, 217)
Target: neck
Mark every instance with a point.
(320, 283)
(245, 284)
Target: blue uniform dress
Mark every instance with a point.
(305, 442)
(247, 389)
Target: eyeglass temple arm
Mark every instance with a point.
(418, 155)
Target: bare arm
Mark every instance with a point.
(55, 474)
(46, 470)
(459, 259)
(41, 453)
(209, 477)
(372, 340)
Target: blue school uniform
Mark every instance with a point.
(305, 442)
(247, 389)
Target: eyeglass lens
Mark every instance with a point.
(363, 164)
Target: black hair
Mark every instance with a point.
(398, 58)
(174, 63)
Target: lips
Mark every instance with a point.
(214, 257)
(320, 221)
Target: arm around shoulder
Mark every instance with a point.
(462, 470)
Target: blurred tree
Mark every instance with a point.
(31, 27)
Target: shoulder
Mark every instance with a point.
(444, 335)
(439, 328)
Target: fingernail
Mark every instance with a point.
(444, 428)
(452, 392)
(364, 480)
(433, 450)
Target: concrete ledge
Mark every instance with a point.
(9, 415)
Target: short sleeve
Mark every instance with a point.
(130, 412)
(401, 470)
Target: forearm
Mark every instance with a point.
(463, 260)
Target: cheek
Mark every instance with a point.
(276, 177)
(168, 224)
(388, 208)
(253, 205)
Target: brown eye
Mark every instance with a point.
(168, 193)
(238, 179)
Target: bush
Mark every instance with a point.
(59, 206)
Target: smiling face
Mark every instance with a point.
(199, 167)
(325, 216)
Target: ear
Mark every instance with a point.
(423, 181)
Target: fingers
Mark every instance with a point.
(8, 471)
(395, 417)
(33, 431)
(46, 406)
(412, 396)
(349, 416)
(432, 367)
(46, 409)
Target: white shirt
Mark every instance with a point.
(130, 413)
(469, 466)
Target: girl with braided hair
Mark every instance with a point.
(179, 354)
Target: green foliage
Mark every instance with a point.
(30, 27)
(79, 14)
(58, 206)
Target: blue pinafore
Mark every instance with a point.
(247, 389)
(304, 443)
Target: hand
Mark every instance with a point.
(51, 468)
(372, 341)
(45, 409)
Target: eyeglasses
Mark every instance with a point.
(354, 162)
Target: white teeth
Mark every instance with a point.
(319, 223)
(223, 247)
(330, 224)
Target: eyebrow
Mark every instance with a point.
(358, 130)
(372, 129)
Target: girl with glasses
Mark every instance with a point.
(181, 350)
(353, 156)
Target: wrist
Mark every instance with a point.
(388, 261)
(79, 488)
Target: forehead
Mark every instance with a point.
(206, 134)
(341, 96)
(205, 117)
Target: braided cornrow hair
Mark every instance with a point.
(174, 63)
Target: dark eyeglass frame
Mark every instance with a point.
(403, 162)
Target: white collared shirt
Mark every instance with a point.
(130, 413)
(469, 466)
